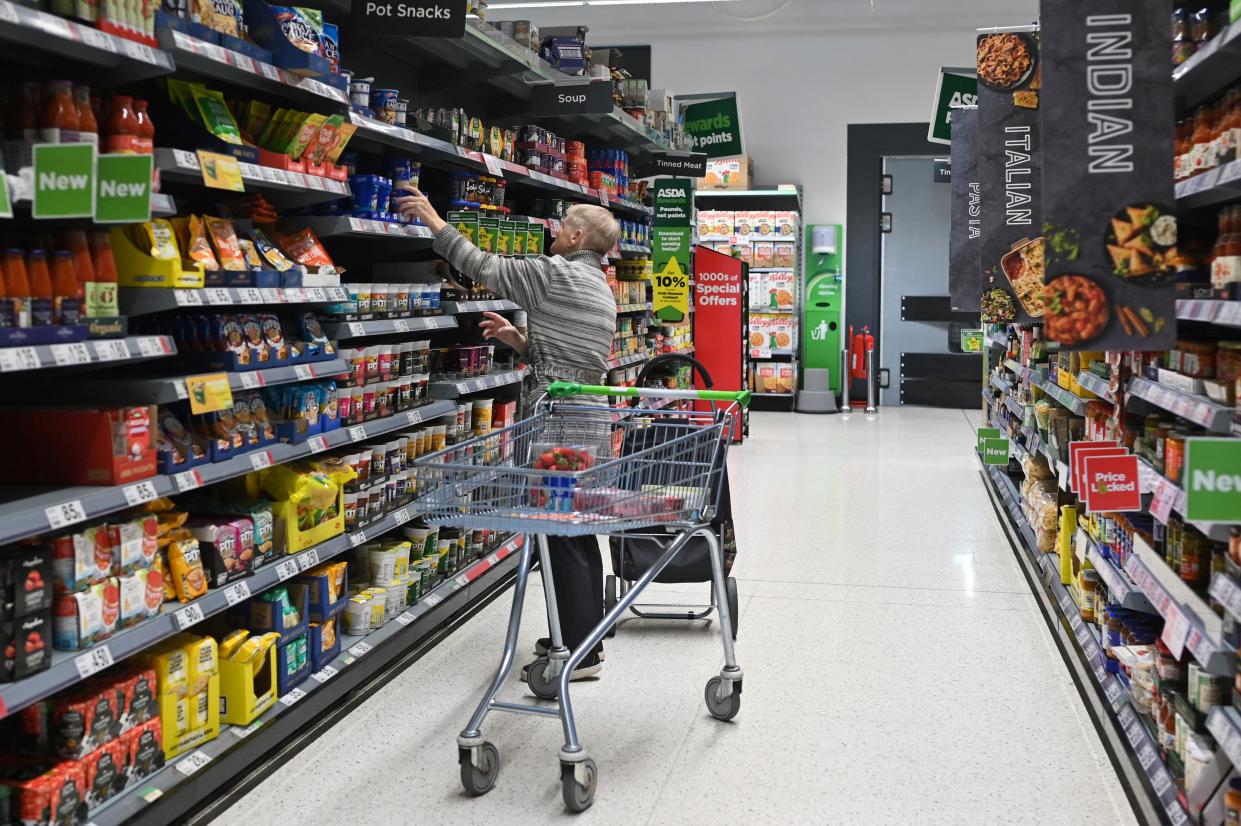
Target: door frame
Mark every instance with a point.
(868, 145)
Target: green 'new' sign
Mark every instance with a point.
(714, 127)
(123, 189)
(995, 451)
(985, 433)
(64, 175)
(1212, 479)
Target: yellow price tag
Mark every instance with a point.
(209, 392)
(220, 171)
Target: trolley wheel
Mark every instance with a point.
(610, 598)
(722, 709)
(536, 677)
(578, 796)
(480, 779)
(733, 610)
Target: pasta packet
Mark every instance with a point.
(301, 27)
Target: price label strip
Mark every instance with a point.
(308, 560)
(93, 661)
(360, 649)
(189, 615)
(237, 592)
(324, 674)
(195, 761)
(292, 697)
(286, 569)
(140, 492)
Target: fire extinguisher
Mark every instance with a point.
(862, 343)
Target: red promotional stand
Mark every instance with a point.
(720, 309)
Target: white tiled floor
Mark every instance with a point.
(897, 671)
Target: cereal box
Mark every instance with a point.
(784, 255)
(779, 291)
(744, 224)
(764, 254)
(764, 224)
(758, 290)
(785, 224)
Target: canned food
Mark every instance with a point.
(383, 101)
(358, 615)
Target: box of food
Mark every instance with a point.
(786, 224)
(764, 254)
(772, 332)
(247, 687)
(745, 224)
(727, 173)
(784, 255)
(112, 446)
(773, 378)
(25, 646)
(758, 290)
(87, 617)
(25, 581)
(780, 290)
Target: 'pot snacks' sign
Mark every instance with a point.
(410, 18)
(713, 127)
(1110, 222)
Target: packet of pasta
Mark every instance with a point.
(215, 114)
(305, 248)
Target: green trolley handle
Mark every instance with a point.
(565, 389)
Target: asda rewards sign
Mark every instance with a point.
(714, 127)
(405, 18)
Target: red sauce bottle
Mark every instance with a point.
(101, 293)
(88, 127)
(60, 114)
(67, 292)
(40, 289)
(17, 286)
(122, 126)
(145, 142)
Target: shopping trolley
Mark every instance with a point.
(563, 472)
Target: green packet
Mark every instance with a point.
(215, 114)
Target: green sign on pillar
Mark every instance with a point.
(995, 451)
(1212, 479)
(714, 127)
(955, 89)
(123, 189)
(671, 235)
(64, 177)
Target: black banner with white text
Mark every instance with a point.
(966, 217)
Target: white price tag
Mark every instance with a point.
(433, 599)
(180, 389)
(251, 380)
(400, 325)
(237, 592)
(53, 25)
(187, 298)
(249, 295)
(405, 618)
(605, 200)
(243, 733)
(189, 615)
(401, 516)
(1134, 734)
(360, 649)
(317, 444)
(140, 492)
(1165, 498)
(187, 480)
(93, 661)
(315, 294)
(267, 295)
(462, 581)
(250, 171)
(66, 513)
(215, 52)
(286, 569)
(151, 346)
(138, 51)
(244, 62)
(8, 12)
(324, 674)
(432, 323)
(493, 560)
(218, 295)
(337, 294)
(292, 697)
(316, 182)
(357, 433)
(308, 560)
(112, 350)
(18, 358)
(1175, 630)
(494, 167)
(1146, 756)
(304, 372)
(1161, 782)
(69, 354)
(193, 763)
(296, 179)
(356, 539)
(356, 330)
(260, 459)
(270, 72)
(413, 417)
(274, 176)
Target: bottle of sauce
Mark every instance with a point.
(75, 241)
(88, 127)
(8, 317)
(145, 141)
(1230, 134)
(67, 292)
(101, 293)
(17, 286)
(60, 114)
(1226, 255)
(1202, 158)
(22, 126)
(40, 289)
(121, 130)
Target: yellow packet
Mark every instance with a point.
(195, 248)
(232, 642)
(186, 566)
(343, 134)
(305, 133)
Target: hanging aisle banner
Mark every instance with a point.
(1108, 205)
(713, 127)
(963, 240)
(671, 234)
(1009, 160)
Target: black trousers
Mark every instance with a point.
(577, 571)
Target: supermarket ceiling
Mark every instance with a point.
(699, 17)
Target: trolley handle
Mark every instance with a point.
(564, 389)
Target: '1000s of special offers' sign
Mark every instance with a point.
(403, 18)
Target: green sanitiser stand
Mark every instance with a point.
(822, 314)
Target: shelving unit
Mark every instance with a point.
(84, 353)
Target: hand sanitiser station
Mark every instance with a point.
(822, 312)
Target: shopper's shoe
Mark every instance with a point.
(586, 669)
(544, 644)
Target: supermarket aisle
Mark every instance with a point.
(895, 663)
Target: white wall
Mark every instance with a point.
(802, 75)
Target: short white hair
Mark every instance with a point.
(600, 231)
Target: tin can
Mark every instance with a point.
(1174, 455)
(402, 109)
(360, 91)
(383, 101)
(358, 615)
